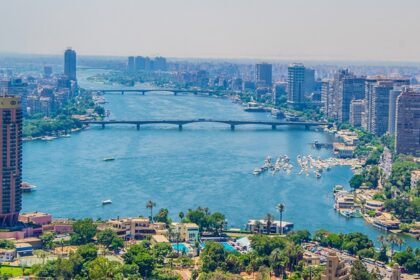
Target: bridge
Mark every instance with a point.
(144, 91)
(181, 123)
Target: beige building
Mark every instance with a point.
(188, 232)
(130, 228)
(336, 269)
(311, 259)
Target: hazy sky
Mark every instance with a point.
(280, 29)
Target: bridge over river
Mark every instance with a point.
(181, 123)
(144, 91)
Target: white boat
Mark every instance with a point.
(27, 187)
(48, 138)
(107, 201)
(257, 171)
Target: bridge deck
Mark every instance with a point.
(182, 122)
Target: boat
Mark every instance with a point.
(257, 171)
(65, 135)
(109, 159)
(318, 175)
(107, 201)
(27, 187)
(48, 138)
(338, 188)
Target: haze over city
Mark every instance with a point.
(373, 30)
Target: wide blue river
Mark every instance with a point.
(204, 165)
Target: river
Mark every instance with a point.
(204, 165)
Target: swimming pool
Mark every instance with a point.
(228, 247)
(181, 247)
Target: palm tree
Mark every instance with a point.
(181, 216)
(381, 239)
(269, 221)
(149, 205)
(392, 239)
(280, 207)
(399, 242)
(257, 226)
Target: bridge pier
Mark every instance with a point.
(273, 127)
(122, 92)
(232, 127)
(143, 92)
(179, 127)
(306, 127)
(103, 126)
(138, 126)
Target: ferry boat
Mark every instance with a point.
(109, 159)
(106, 202)
(26, 187)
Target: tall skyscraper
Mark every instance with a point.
(309, 81)
(131, 65)
(407, 128)
(11, 164)
(379, 113)
(357, 108)
(70, 64)
(349, 87)
(393, 95)
(296, 84)
(371, 83)
(326, 97)
(263, 74)
(140, 63)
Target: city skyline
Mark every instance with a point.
(326, 30)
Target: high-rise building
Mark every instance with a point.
(140, 63)
(370, 84)
(309, 81)
(70, 64)
(357, 108)
(407, 127)
(393, 95)
(349, 87)
(160, 63)
(296, 84)
(11, 164)
(131, 65)
(47, 71)
(263, 74)
(379, 110)
(327, 97)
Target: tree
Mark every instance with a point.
(139, 255)
(150, 205)
(83, 231)
(47, 239)
(162, 216)
(110, 239)
(6, 244)
(280, 208)
(408, 259)
(161, 251)
(278, 262)
(103, 269)
(181, 216)
(213, 256)
(356, 181)
(360, 272)
(87, 252)
(269, 221)
(299, 236)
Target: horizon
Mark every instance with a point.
(257, 30)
